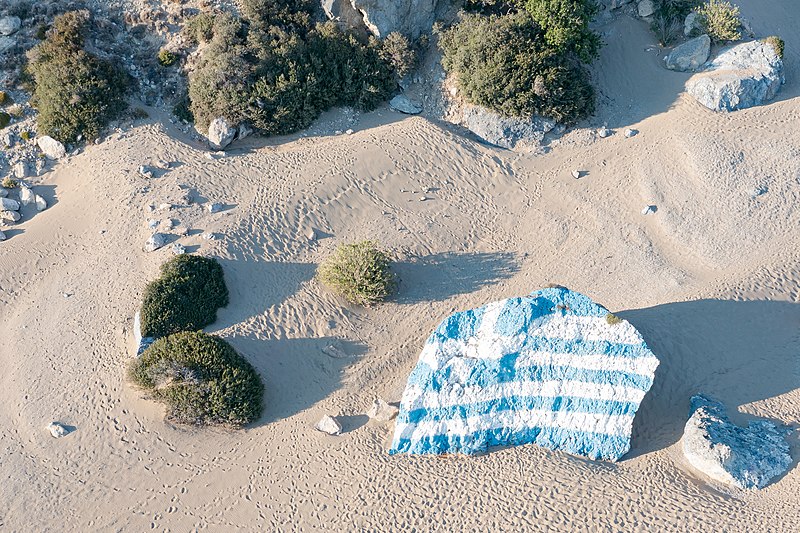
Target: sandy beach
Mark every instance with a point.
(711, 279)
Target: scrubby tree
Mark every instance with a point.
(720, 20)
(185, 297)
(505, 64)
(565, 24)
(76, 92)
(201, 379)
(360, 272)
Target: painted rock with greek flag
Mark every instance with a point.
(553, 369)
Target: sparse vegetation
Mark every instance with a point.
(669, 17)
(720, 20)
(76, 92)
(166, 58)
(359, 272)
(506, 64)
(200, 28)
(185, 297)
(5, 98)
(398, 51)
(277, 70)
(5, 119)
(201, 379)
(565, 24)
(25, 135)
(9, 182)
(776, 43)
(612, 319)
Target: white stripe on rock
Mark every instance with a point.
(596, 423)
(454, 394)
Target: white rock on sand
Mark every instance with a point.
(220, 133)
(328, 424)
(51, 147)
(156, 241)
(382, 411)
(745, 457)
(57, 430)
(7, 204)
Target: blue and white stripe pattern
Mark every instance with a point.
(547, 369)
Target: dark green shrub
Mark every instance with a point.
(200, 28)
(360, 272)
(182, 110)
(76, 93)
(279, 72)
(185, 297)
(5, 98)
(397, 51)
(5, 119)
(166, 58)
(776, 43)
(668, 18)
(201, 379)
(505, 64)
(612, 319)
(25, 135)
(721, 21)
(565, 24)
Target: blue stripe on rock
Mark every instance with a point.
(519, 403)
(485, 372)
(591, 445)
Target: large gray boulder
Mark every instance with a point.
(404, 104)
(51, 147)
(344, 14)
(505, 132)
(220, 133)
(9, 25)
(690, 55)
(747, 458)
(409, 17)
(645, 8)
(741, 76)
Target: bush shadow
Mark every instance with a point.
(738, 352)
(440, 276)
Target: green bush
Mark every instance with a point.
(360, 272)
(565, 24)
(505, 64)
(776, 43)
(9, 183)
(398, 52)
(185, 297)
(5, 98)
(201, 379)
(166, 58)
(25, 135)
(200, 28)
(721, 21)
(669, 17)
(76, 93)
(278, 71)
(612, 319)
(5, 119)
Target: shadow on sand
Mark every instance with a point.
(736, 351)
(439, 276)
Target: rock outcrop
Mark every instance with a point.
(328, 424)
(9, 25)
(505, 132)
(741, 76)
(553, 369)
(690, 55)
(404, 104)
(51, 147)
(409, 17)
(645, 8)
(747, 458)
(344, 14)
(382, 411)
(220, 133)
